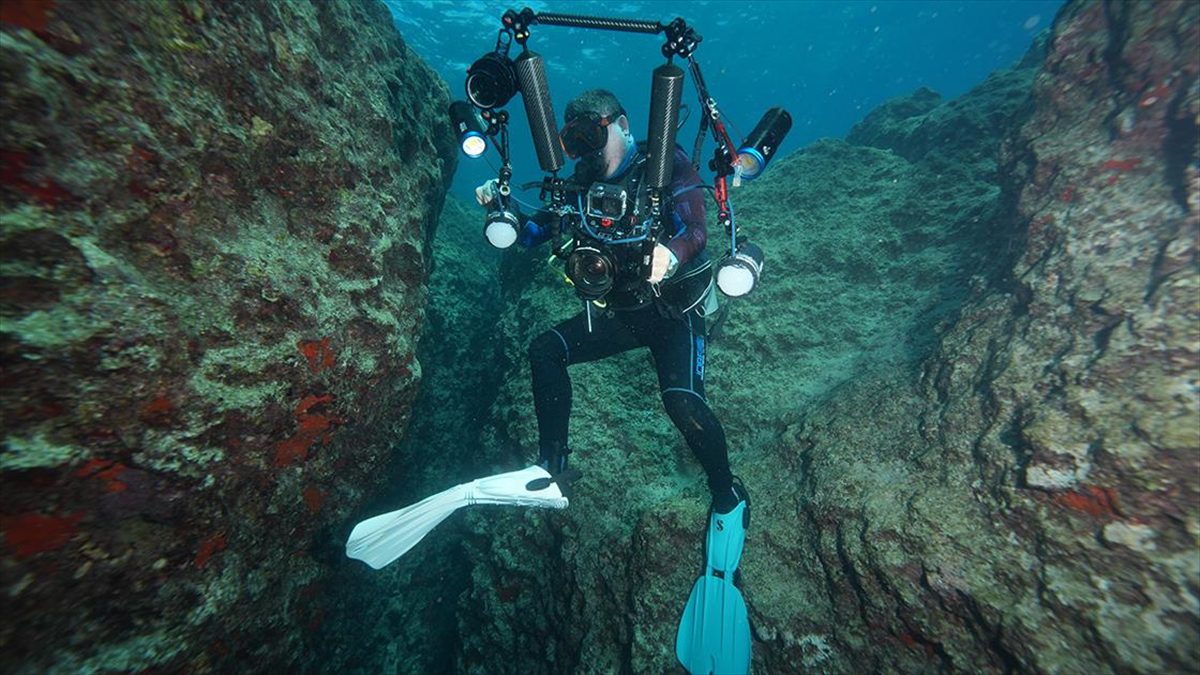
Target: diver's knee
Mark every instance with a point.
(547, 348)
(681, 405)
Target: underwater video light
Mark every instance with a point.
(500, 227)
(470, 128)
(738, 273)
(474, 145)
(760, 146)
(491, 81)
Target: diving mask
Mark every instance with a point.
(587, 133)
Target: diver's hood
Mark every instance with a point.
(380, 540)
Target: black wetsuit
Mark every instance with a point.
(671, 326)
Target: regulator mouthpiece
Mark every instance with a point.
(469, 126)
(760, 146)
(738, 273)
(500, 228)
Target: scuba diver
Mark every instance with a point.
(664, 312)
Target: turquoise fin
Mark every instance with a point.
(714, 632)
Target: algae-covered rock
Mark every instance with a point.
(213, 245)
(963, 398)
(408, 624)
(1030, 504)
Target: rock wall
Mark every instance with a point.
(1031, 505)
(408, 625)
(964, 400)
(1069, 401)
(213, 244)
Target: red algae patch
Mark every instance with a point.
(1094, 501)
(107, 471)
(31, 533)
(314, 499)
(310, 428)
(209, 547)
(31, 14)
(318, 353)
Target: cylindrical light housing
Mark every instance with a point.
(666, 92)
(535, 91)
(500, 228)
(762, 143)
(738, 273)
(469, 127)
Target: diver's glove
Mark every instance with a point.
(485, 194)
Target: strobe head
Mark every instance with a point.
(760, 146)
(738, 273)
(500, 227)
(469, 127)
(592, 271)
(491, 81)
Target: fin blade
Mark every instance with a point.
(714, 632)
(382, 539)
(379, 540)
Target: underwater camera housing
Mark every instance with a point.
(605, 211)
(613, 240)
(592, 269)
(608, 222)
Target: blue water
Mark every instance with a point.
(827, 63)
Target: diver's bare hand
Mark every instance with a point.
(663, 264)
(486, 193)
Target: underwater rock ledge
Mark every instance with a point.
(214, 241)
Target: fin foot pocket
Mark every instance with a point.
(564, 481)
(726, 537)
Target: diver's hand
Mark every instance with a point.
(486, 193)
(663, 264)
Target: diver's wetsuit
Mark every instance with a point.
(671, 326)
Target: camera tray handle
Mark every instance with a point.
(682, 40)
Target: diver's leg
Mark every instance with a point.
(678, 349)
(549, 355)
